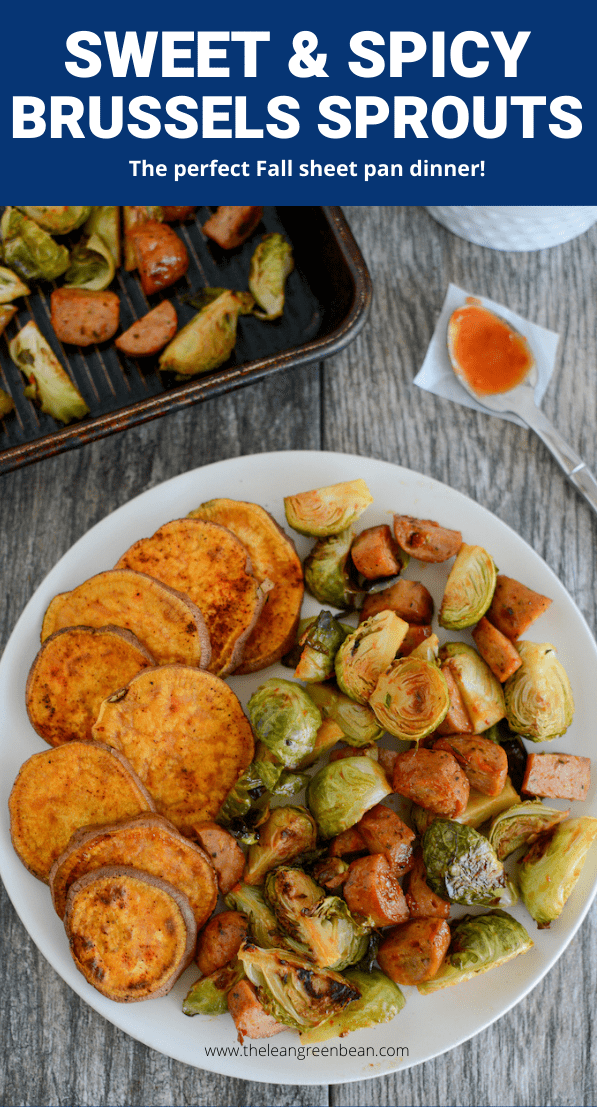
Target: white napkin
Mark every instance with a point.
(436, 374)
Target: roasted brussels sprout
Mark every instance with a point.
(11, 286)
(91, 265)
(292, 990)
(479, 943)
(428, 649)
(49, 384)
(469, 588)
(539, 701)
(463, 867)
(327, 736)
(263, 925)
(367, 652)
(29, 250)
(6, 403)
(319, 927)
(552, 866)
(521, 824)
(58, 220)
(285, 719)
(327, 511)
(209, 339)
(357, 722)
(330, 872)
(208, 994)
(290, 784)
(478, 810)
(380, 1001)
(292, 658)
(411, 698)
(327, 575)
(7, 312)
(340, 793)
(105, 222)
(320, 643)
(246, 805)
(271, 264)
(481, 692)
(287, 832)
(267, 766)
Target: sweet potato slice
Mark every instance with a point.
(425, 540)
(224, 853)
(161, 255)
(75, 669)
(557, 776)
(131, 934)
(230, 226)
(186, 735)
(168, 624)
(515, 607)
(82, 317)
(496, 650)
(147, 842)
(208, 563)
(59, 791)
(408, 598)
(273, 558)
(149, 334)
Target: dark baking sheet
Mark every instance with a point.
(327, 302)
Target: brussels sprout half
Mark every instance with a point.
(340, 793)
(105, 222)
(327, 511)
(357, 722)
(208, 996)
(319, 927)
(366, 653)
(411, 698)
(11, 286)
(520, 824)
(479, 943)
(292, 990)
(271, 264)
(320, 642)
(246, 805)
(538, 696)
(327, 575)
(29, 250)
(91, 265)
(551, 868)
(380, 1001)
(48, 381)
(57, 220)
(462, 866)
(209, 339)
(480, 690)
(469, 588)
(285, 719)
(287, 832)
(263, 925)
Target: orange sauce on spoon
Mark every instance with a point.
(489, 354)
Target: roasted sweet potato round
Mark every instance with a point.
(58, 791)
(130, 934)
(273, 558)
(147, 842)
(75, 669)
(186, 735)
(207, 563)
(168, 624)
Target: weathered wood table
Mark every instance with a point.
(55, 1049)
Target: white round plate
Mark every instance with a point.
(429, 1025)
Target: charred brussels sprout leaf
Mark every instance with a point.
(327, 511)
(245, 806)
(521, 824)
(271, 264)
(11, 286)
(57, 220)
(319, 927)
(479, 943)
(208, 996)
(539, 701)
(356, 721)
(290, 784)
(480, 690)
(263, 925)
(91, 265)
(411, 698)
(320, 642)
(285, 719)
(29, 250)
(48, 383)
(551, 868)
(380, 1001)
(287, 833)
(209, 339)
(462, 866)
(292, 990)
(105, 222)
(327, 575)
(367, 652)
(469, 588)
(340, 793)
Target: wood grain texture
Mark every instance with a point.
(54, 1049)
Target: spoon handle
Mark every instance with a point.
(574, 467)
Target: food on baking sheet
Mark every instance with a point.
(130, 934)
(105, 222)
(161, 256)
(58, 220)
(515, 607)
(176, 214)
(149, 334)
(185, 734)
(60, 790)
(168, 624)
(327, 511)
(557, 775)
(366, 653)
(6, 403)
(48, 383)
(425, 540)
(410, 698)
(30, 250)
(479, 943)
(75, 669)
(209, 339)
(549, 871)
(539, 701)
(271, 264)
(231, 226)
(91, 265)
(11, 286)
(469, 588)
(83, 317)
(133, 218)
